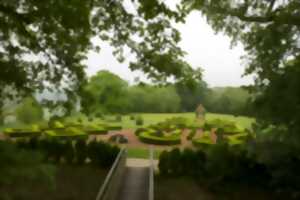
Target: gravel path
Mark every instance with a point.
(134, 142)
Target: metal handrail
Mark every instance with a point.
(151, 176)
(105, 186)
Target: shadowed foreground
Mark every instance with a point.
(135, 184)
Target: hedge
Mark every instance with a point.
(72, 151)
(204, 141)
(95, 130)
(113, 127)
(67, 132)
(237, 139)
(166, 140)
(23, 132)
(225, 126)
(191, 135)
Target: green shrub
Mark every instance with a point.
(69, 153)
(139, 121)
(94, 129)
(34, 131)
(118, 118)
(113, 127)
(167, 140)
(55, 122)
(90, 119)
(204, 141)
(99, 115)
(102, 154)
(163, 164)
(81, 151)
(179, 122)
(187, 163)
(132, 117)
(175, 166)
(139, 131)
(68, 133)
(191, 135)
(18, 165)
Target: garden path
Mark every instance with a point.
(135, 182)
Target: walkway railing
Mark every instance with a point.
(151, 175)
(109, 188)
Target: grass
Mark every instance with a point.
(153, 118)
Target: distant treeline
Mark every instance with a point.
(106, 92)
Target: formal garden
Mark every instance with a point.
(72, 123)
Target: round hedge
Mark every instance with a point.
(149, 138)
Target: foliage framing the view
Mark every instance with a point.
(270, 33)
(42, 45)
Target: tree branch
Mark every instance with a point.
(272, 3)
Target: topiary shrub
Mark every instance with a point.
(132, 117)
(139, 121)
(118, 118)
(90, 119)
(99, 115)
(80, 120)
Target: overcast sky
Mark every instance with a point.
(222, 65)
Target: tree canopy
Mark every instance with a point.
(105, 92)
(270, 33)
(42, 45)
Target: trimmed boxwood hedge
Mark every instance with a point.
(94, 129)
(237, 139)
(34, 131)
(191, 135)
(204, 141)
(113, 127)
(225, 126)
(70, 132)
(149, 138)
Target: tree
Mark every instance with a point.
(269, 31)
(29, 111)
(42, 46)
(105, 92)
(149, 98)
(191, 95)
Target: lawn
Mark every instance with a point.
(153, 118)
